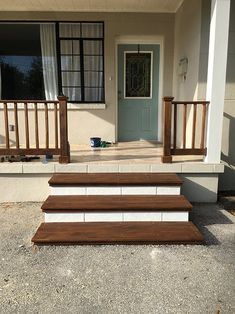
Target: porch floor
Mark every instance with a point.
(146, 152)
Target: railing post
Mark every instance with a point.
(64, 144)
(167, 158)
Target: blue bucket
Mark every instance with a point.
(95, 141)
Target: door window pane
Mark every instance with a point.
(138, 75)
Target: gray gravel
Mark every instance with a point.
(116, 279)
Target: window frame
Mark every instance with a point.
(81, 41)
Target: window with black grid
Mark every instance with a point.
(82, 61)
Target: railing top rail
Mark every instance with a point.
(190, 102)
(29, 101)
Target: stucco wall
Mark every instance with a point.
(86, 123)
(187, 45)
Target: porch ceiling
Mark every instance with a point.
(167, 6)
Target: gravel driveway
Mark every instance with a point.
(116, 279)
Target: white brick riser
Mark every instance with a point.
(115, 216)
(113, 190)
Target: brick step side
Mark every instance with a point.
(114, 190)
(115, 216)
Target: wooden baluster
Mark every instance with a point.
(203, 129)
(6, 125)
(167, 158)
(64, 144)
(175, 126)
(16, 125)
(26, 117)
(46, 126)
(36, 125)
(194, 125)
(56, 125)
(184, 125)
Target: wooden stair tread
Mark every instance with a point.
(118, 233)
(114, 179)
(116, 203)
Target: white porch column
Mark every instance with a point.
(216, 77)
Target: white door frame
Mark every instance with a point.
(142, 40)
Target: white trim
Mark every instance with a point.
(151, 75)
(151, 40)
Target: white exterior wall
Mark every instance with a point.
(187, 44)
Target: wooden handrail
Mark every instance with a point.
(20, 101)
(17, 147)
(170, 132)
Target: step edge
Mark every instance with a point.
(175, 181)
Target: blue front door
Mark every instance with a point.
(138, 90)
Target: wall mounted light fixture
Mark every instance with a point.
(183, 68)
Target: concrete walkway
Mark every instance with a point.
(116, 279)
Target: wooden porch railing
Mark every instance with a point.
(32, 137)
(171, 134)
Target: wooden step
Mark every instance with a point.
(76, 203)
(118, 233)
(115, 179)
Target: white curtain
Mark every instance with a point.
(70, 61)
(93, 67)
(49, 60)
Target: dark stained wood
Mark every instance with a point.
(190, 102)
(29, 151)
(30, 101)
(46, 126)
(130, 179)
(56, 125)
(64, 145)
(6, 125)
(37, 150)
(118, 233)
(77, 203)
(188, 151)
(26, 118)
(167, 130)
(175, 127)
(184, 125)
(194, 125)
(203, 129)
(167, 156)
(16, 125)
(36, 125)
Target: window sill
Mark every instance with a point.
(76, 106)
